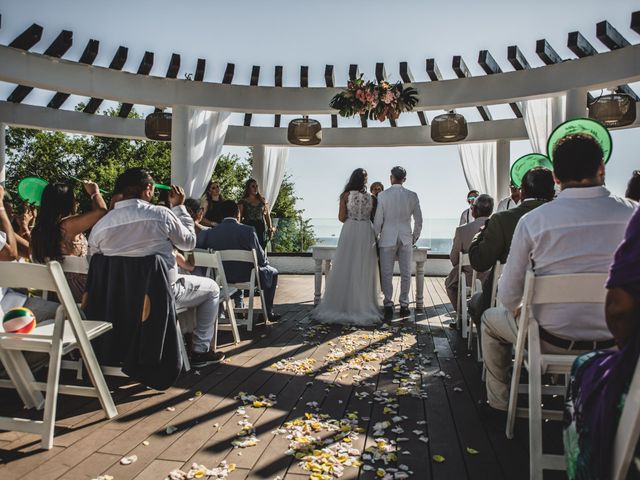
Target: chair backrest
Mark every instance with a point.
(628, 431)
(73, 264)
(497, 271)
(245, 256)
(49, 277)
(569, 288)
(211, 261)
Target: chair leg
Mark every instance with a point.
(535, 409)
(232, 320)
(513, 393)
(22, 378)
(51, 398)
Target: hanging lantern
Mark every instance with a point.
(157, 126)
(304, 131)
(449, 127)
(614, 110)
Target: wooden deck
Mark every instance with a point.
(422, 357)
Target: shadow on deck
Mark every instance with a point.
(421, 356)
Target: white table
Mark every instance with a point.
(323, 254)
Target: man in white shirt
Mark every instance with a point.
(512, 201)
(136, 228)
(576, 233)
(467, 215)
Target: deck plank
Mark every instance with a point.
(86, 445)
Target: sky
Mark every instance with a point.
(300, 32)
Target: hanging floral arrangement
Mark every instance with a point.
(378, 101)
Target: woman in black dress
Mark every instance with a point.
(211, 204)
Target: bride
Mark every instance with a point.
(352, 293)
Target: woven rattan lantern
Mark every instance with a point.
(615, 110)
(157, 126)
(304, 131)
(449, 127)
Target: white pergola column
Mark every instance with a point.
(258, 165)
(3, 153)
(576, 103)
(503, 152)
(179, 135)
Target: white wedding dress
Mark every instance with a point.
(353, 286)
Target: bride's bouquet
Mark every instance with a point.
(378, 101)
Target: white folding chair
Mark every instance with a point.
(213, 263)
(464, 292)
(247, 256)
(68, 332)
(551, 289)
(628, 431)
(497, 272)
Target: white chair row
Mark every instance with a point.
(68, 332)
(555, 289)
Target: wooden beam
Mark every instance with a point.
(329, 81)
(580, 45)
(227, 78)
(117, 63)
(28, 38)
(433, 71)
(172, 71)
(354, 73)
(58, 47)
(490, 66)
(143, 69)
(381, 75)
(278, 83)
(88, 56)
(255, 75)
(462, 71)
(608, 35)
(635, 22)
(516, 58)
(304, 77)
(201, 66)
(546, 53)
(407, 77)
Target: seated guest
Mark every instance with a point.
(196, 211)
(232, 235)
(512, 201)
(633, 187)
(482, 208)
(601, 379)
(22, 224)
(467, 215)
(42, 309)
(576, 233)
(137, 228)
(494, 240)
(59, 229)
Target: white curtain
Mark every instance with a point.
(269, 165)
(541, 116)
(205, 139)
(479, 166)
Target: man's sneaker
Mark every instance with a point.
(199, 360)
(388, 313)
(404, 312)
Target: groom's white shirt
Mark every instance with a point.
(396, 206)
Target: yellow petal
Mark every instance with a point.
(438, 458)
(472, 451)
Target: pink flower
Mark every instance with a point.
(388, 97)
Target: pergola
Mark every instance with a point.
(51, 71)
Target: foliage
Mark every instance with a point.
(378, 101)
(57, 157)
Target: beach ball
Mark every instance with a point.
(19, 320)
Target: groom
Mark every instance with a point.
(392, 225)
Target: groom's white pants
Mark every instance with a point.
(388, 256)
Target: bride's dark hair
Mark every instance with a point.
(357, 181)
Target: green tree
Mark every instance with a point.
(57, 157)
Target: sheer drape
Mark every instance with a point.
(479, 166)
(541, 116)
(205, 139)
(269, 165)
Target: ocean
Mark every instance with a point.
(437, 233)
